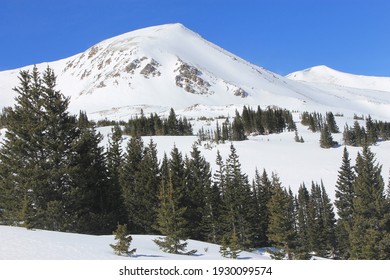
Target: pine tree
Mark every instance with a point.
(122, 247)
(344, 203)
(198, 180)
(237, 200)
(35, 154)
(211, 215)
(89, 205)
(247, 120)
(263, 190)
(170, 220)
(238, 128)
(214, 207)
(369, 220)
(281, 230)
(148, 182)
(330, 120)
(129, 180)
(372, 133)
(303, 203)
(329, 222)
(18, 152)
(114, 159)
(172, 123)
(326, 139)
(231, 249)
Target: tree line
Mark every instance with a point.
(153, 125)
(357, 135)
(54, 175)
(250, 121)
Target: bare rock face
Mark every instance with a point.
(240, 92)
(150, 69)
(133, 65)
(189, 79)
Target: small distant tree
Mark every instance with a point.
(326, 139)
(122, 247)
(330, 120)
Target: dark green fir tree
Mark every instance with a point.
(326, 139)
(281, 229)
(170, 220)
(369, 220)
(345, 194)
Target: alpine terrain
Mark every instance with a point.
(179, 139)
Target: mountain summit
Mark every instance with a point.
(326, 75)
(165, 66)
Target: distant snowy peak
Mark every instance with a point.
(326, 75)
(180, 56)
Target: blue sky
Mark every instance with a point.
(282, 36)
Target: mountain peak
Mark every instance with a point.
(326, 75)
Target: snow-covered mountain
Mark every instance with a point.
(167, 66)
(325, 75)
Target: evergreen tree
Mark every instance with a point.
(89, 205)
(231, 249)
(148, 181)
(114, 159)
(330, 120)
(326, 139)
(35, 153)
(122, 247)
(263, 190)
(238, 128)
(211, 215)
(129, 180)
(329, 224)
(198, 180)
(372, 133)
(237, 201)
(281, 230)
(369, 205)
(172, 123)
(170, 220)
(303, 203)
(344, 203)
(247, 120)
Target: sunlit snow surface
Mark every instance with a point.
(22, 244)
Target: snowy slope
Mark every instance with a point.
(167, 66)
(22, 244)
(325, 75)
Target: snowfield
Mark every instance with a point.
(22, 244)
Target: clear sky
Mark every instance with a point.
(280, 35)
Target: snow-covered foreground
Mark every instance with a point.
(21, 244)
